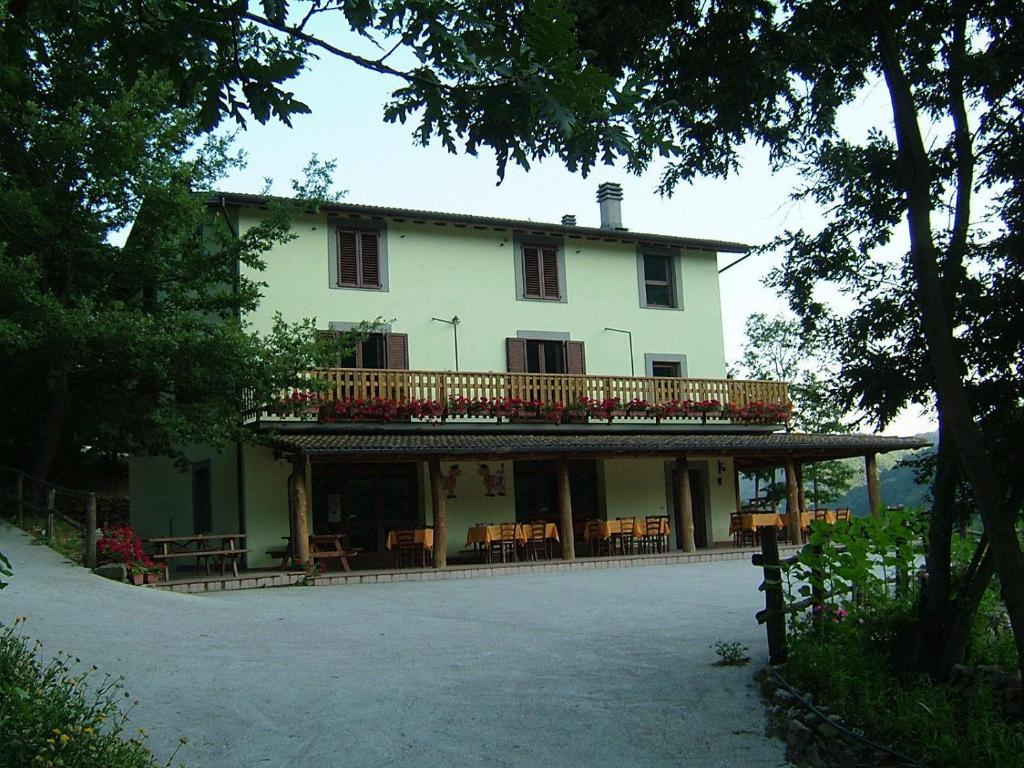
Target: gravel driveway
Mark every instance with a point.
(597, 668)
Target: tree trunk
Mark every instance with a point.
(937, 599)
(966, 608)
(57, 399)
(990, 490)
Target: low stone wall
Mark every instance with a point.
(815, 736)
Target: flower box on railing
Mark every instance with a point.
(520, 410)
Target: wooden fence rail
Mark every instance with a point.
(79, 508)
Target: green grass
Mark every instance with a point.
(67, 538)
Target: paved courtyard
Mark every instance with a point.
(595, 668)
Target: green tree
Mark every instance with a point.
(929, 321)
(775, 349)
(142, 347)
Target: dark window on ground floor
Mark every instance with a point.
(365, 502)
(536, 489)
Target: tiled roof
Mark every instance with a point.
(383, 445)
(490, 222)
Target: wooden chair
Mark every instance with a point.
(742, 537)
(537, 544)
(843, 514)
(736, 528)
(592, 533)
(406, 549)
(624, 538)
(821, 514)
(654, 540)
(504, 547)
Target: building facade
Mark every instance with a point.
(472, 309)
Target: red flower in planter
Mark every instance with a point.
(120, 543)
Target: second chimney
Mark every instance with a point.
(568, 220)
(609, 197)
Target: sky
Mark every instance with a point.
(378, 164)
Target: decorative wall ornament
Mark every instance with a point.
(494, 482)
(499, 480)
(451, 479)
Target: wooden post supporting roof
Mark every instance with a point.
(736, 483)
(439, 508)
(90, 531)
(874, 484)
(565, 511)
(793, 501)
(800, 485)
(684, 504)
(300, 523)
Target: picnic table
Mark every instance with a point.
(322, 548)
(202, 547)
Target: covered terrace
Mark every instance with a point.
(322, 445)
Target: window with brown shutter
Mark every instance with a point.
(396, 347)
(540, 272)
(515, 350)
(575, 359)
(358, 258)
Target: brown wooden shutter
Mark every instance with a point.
(397, 350)
(348, 273)
(531, 272)
(550, 272)
(370, 258)
(516, 352)
(575, 359)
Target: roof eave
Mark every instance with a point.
(489, 222)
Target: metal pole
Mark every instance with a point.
(454, 323)
(632, 367)
(455, 328)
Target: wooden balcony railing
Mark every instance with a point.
(404, 386)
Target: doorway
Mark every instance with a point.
(536, 484)
(365, 501)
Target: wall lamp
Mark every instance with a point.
(632, 370)
(454, 323)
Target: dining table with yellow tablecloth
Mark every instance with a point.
(483, 535)
(751, 521)
(605, 529)
(422, 536)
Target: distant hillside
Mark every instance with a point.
(898, 486)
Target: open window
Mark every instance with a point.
(545, 356)
(376, 350)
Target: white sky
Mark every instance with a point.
(378, 164)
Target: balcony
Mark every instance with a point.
(356, 394)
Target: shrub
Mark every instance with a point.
(850, 666)
(53, 715)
